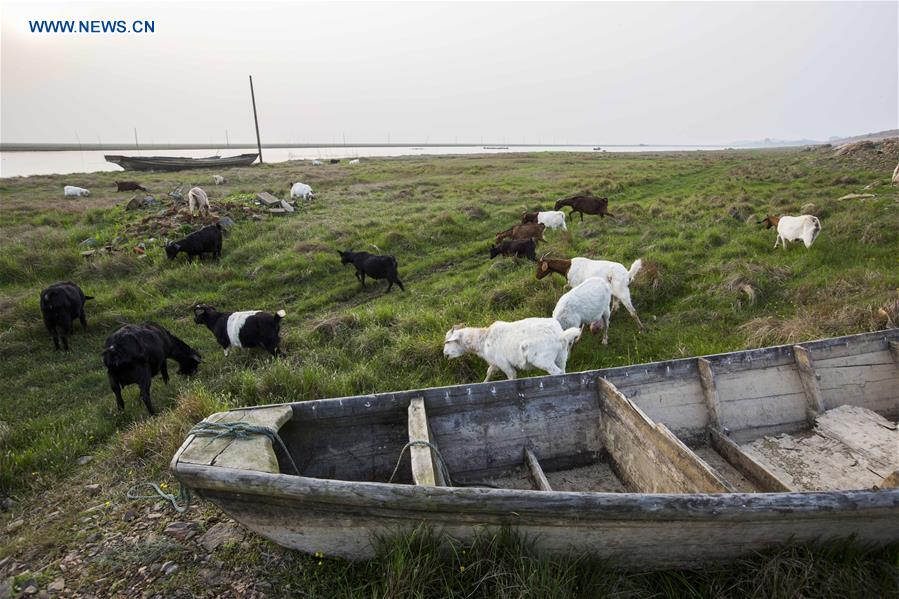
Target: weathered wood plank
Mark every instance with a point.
(894, 350)
(536, 471)
(253, 453)
(746, 464)
(866, 433)
(809, 378)
(710, 391)
(646, 455)
(424, 469)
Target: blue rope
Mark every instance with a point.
(183, 495)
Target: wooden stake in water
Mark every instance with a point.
(256, 119)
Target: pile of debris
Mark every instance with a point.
(175, 221)
(275, 206)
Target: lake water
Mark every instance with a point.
(17, 164)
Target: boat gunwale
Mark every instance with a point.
(578, 505)
(587, 377)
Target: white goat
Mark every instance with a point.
(354, 161)
(588, 303)
(553, 219)
(524, 344)
(197, 200)
(301, 190)
(578, 270)
(794, 228)
(70, 191)
(218, 179)
(895, 179)
(316, 162)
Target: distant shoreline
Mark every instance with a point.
(70, 147)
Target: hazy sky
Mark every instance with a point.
(514, 72)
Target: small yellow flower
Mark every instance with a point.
(163, 486)
(461, 568)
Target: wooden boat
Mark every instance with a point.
(174, 163)
(658, 465)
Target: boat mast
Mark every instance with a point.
(256, 119)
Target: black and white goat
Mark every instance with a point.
(135, 353)
(207, 240)
(251, 328)
(374, 266)
(61, 304)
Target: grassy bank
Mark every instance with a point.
(712, 283)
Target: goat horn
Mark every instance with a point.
(545, 254)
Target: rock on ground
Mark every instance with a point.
(221, 533)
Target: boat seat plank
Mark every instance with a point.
(253, 453)
(751, 468)
(820, 460)
(536, 471)
(866, 433)
(740, 482)
(647, 456)
(424, 462)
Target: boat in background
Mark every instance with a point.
(176, 163)
(662, 465)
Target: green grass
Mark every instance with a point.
(711, 284)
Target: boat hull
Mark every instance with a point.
(168, 163)
(633, 530)
(654, 424)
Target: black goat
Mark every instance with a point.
(242, 329)
(135, 353)
(207, 240)
(375, 266)
(61, 304)
(129, 186)
(523, 248)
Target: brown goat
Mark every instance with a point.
(129, 186)
(769, 221)
(529, 217)
(548, 266)
(526, 231)
(585, 204)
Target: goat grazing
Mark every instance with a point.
(510, 346)
(252, 328)
(135, 353)
(207, 240)
(71, 191)
(129, 186)
(198, 201)
(526, 231)
(794, 228)
(218, 180)
(553, 219)
(586, 304)
(374, 266)
(301, 190)
(585, 204)
(578, 270)
(61, 304)
(523, 248)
